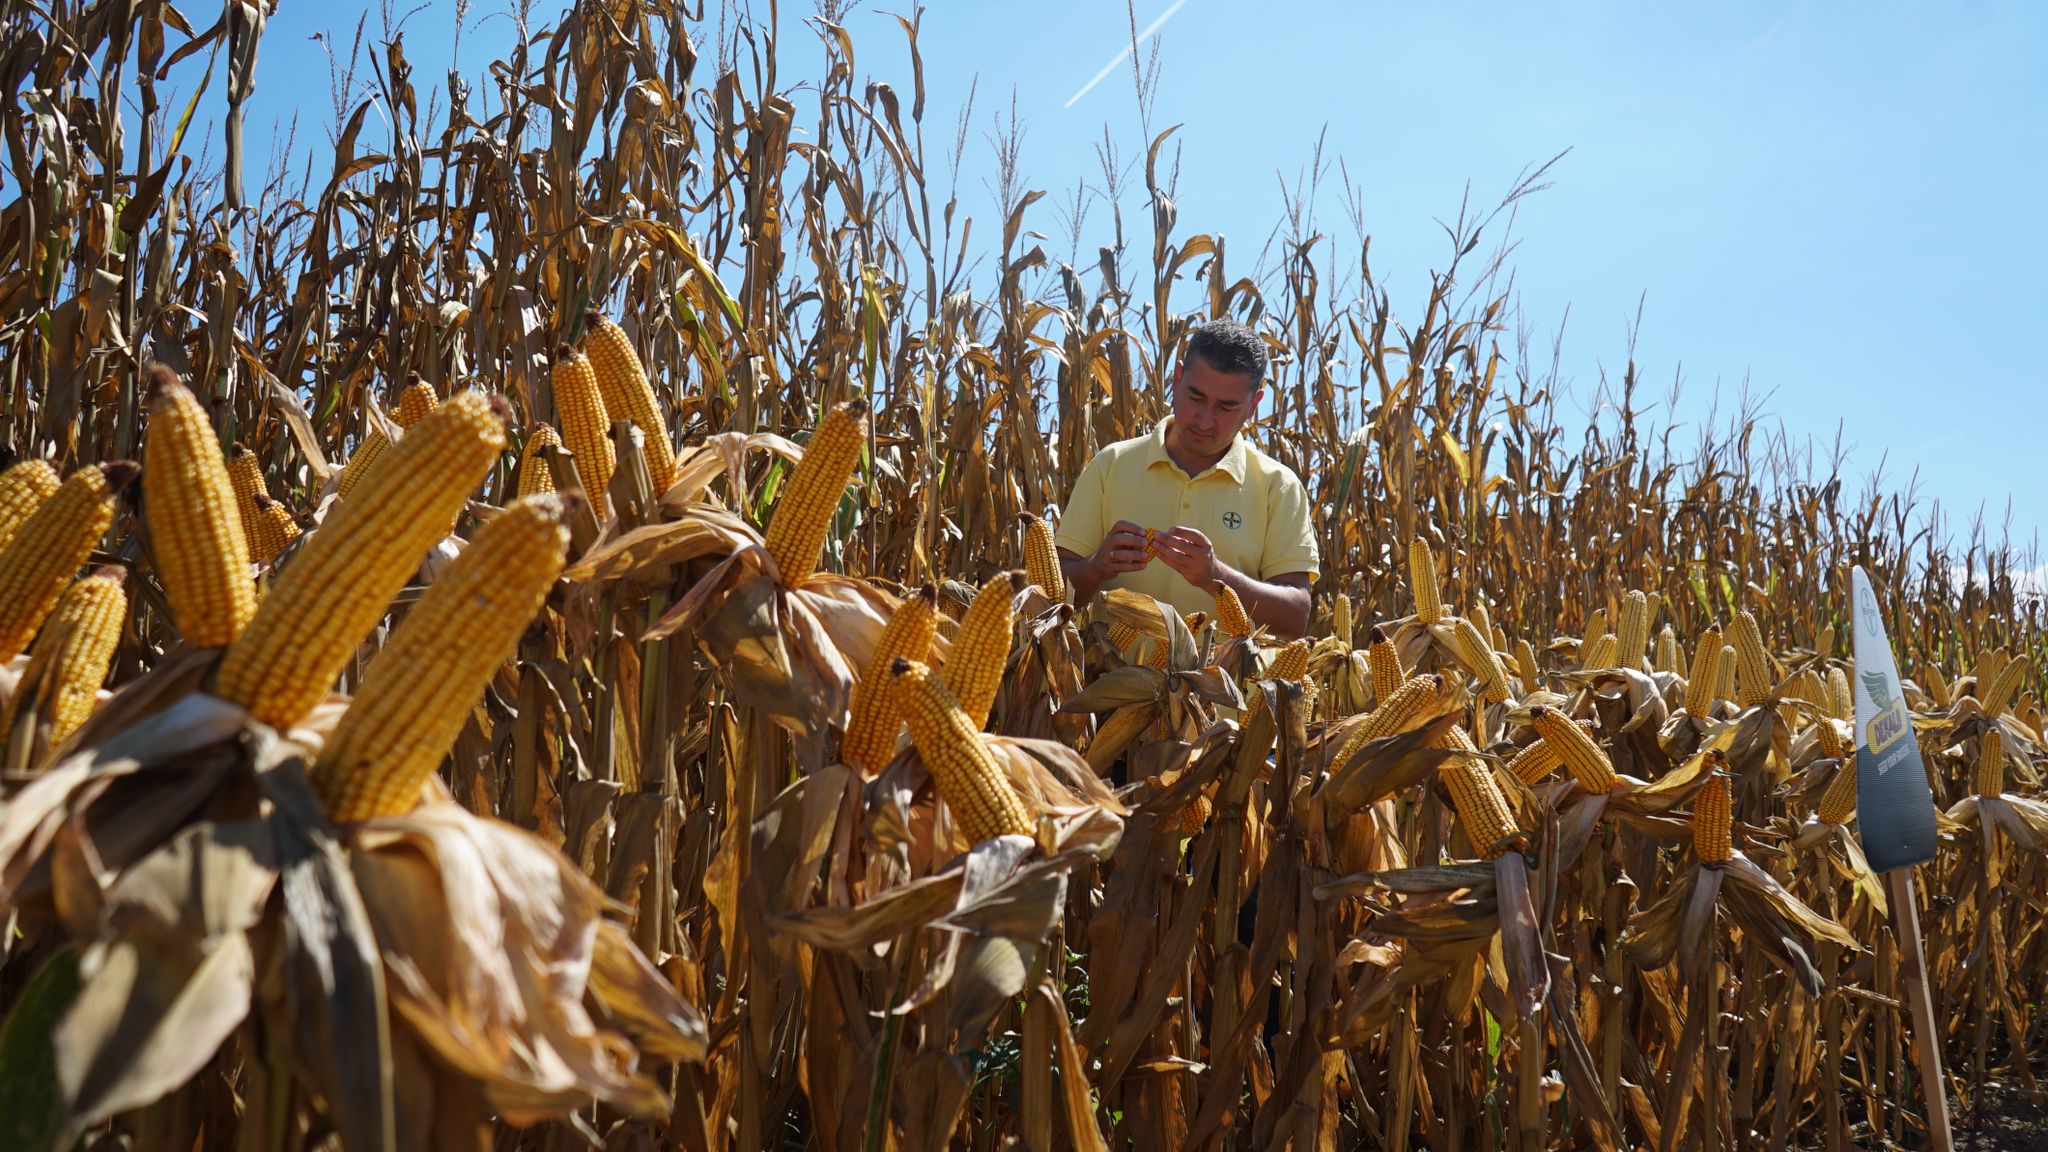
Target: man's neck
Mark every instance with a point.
(1191, 464)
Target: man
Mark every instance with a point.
(1222, 509)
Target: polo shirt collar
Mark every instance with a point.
(1233, 463)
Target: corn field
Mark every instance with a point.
(546, 640)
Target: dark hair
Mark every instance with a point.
(1228, 346)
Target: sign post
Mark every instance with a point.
(1895, 821)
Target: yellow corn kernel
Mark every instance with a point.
(1702, 686)
(872, 719)
(2003, 686)
(422, 686)
(1991, 762)
(1230, 614)
(1838, 803)
(975, 671)
(196, 537)
(1577, 748)
(1193, 815)
(1938, 686)
(343, 579)
(961, 766)
(1340, 618)
(245, 476)
(1602, 654)
(1829, 738)
(1484, 661)
(534, 475)
(1824, 645)
(1535, 762)
(1042, 558)
(1754, 680)
(628, 395)
(274, 532)
(1526, 662)
(87, 623)
(1480, 806)
(1395, 714)
(803, 513)
(1713, 819)
(1841, 698)
(23, 488)
(1670, 658)
(369, 450)
(1383, 661)
(47, 550)
(1291, 662)
(1596, 627)
(1633, 634)
(586, 425)
(418, 399)
(1725, 689)
(1429, 599)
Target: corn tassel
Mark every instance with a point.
(1991, 762)
(628, 395)
(87, 623)
(1429, 599)
(1383, 660)
(1701, 686)
(39, 562)
(201, 552)
(872, 718)
(1754, 680)
(1042, 558)
(337, 589)
(1632, 637)
(1577, 748)
(586, 425)
(803, 513)
(23, 488)
(422, 686)
(1838, 803)
(982, 652)
(1713, 818)
(535, 477)
(961, 766)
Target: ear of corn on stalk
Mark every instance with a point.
(1230, 614)
(534, 474)
(201, 551)
(1479, 653)
(961, 766)
(343, 579)
(1754, 680)
(1633, 634)
(87, 622)
(245, 476)
(1702, 686)
(1576, 748)
(1602, 653)
(982, 651)
(23, 488)
(1429, 599)
(872, 716)
(628, 395)
(1669, 656)
(1596, 627)
(1525, 660)
(1042, 558)
(586, 425)
(2005, 685)
(1991, 762)
(1535, 762)
(368, 451)
(1394, 713)
(422, 686)
(1838, 803)
(51, 545)
(1340, 618)
(803, 513)
(1713, 819)
(1841, 699)
(1383, 661)
(274, 530)
(1478, 801)
(1725, 688)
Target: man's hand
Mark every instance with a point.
(1189, 553)
(1123, 550)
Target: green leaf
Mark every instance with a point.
(31, 1106)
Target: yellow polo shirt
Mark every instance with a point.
(1252, 508)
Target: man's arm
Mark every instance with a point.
(1282, 604)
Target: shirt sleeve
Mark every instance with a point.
(1290, 535)
(1081, 527)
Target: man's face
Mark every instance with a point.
(1209, 405)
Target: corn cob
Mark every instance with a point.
(1829, 738)
(1700, 687)
(1395, 711)
(1838, 803)
(1481, 807)
(274, 532)
(2005, 684)
(628, 395)
(1841, 699)
(586, 426)
(1825, 645)
(1938, 686)
(327, 600)
(1483, 621)
(1340, 618)
(23, 488)
(1230, 614)
(1991, 762)
(1989, 665)
(1724, 688)
(872, 717)
(1754, 680)
(418, 399)
(1121, 637)
(803, 513)
(961, 766)
(534, 476)
(422, 686)
(196, 532)
(368, 451)
(1290, 663)
(1670, 658)
(1713, 819)
(48, 549)
(1535, 762)
(1633, 635)
(1429, 600)
(1042, 558)
(1602, 654)
(87, 622)
(245, 476)
(1576, 748)
(1596, 627)
(975, 671)
(1526, 662)
(1383, 660)
(1193, 815)
(1479, 653)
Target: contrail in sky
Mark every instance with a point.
(1150, 30)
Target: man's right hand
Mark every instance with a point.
(1123, 550)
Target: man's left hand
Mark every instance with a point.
(1189, 553)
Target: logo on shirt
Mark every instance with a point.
(1232, 520)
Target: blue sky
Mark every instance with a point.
(1838, 204)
